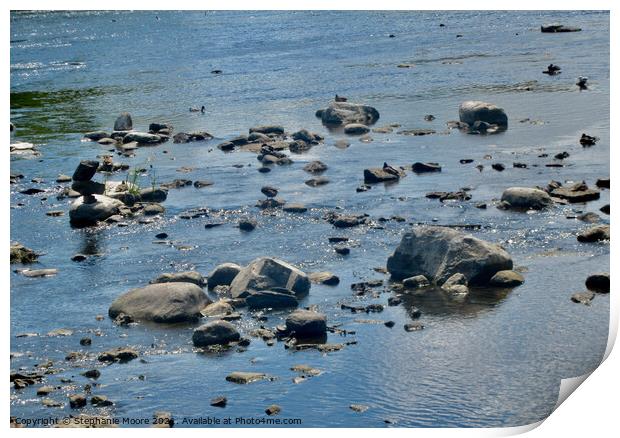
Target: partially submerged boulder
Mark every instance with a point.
(594, 234)
(599, 282)
(525, 198)
(123, 122)
(558, 28)
(266, 273)
(506, 279)
(217, 332)
(84, 213)
(22, 254)
(270, 299)
(440, 252)
(472, 111)
(163, 303)
(578, 192)
(223, 274)
(306, 324)
(343, 113)
(378, 174)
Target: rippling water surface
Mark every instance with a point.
(495, 359)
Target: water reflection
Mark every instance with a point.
(437, 302)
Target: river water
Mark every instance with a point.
(492, 360)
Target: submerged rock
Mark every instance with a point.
(217, 332)
(245, 377)
(266, 273)
(416, 282)
(525, 198)
(439, 252)
(163, 303)
(181, 277)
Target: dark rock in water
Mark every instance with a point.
(594, 234)
(219, 402)
(466, 161)
(226, 146)
(315, 167)
(416, 132)
(201, 184)
(346, 221)
(247, 224)
(177, 183)
(77, 401)
(578, 192)
(356, 129)
(498, 166)
(88, 187)
(78, 258)
(316, 182)
(120, 354)
(31, 191)
(153, 195)
(306, 136)
(163, 303)
(587, 140)
(92, 374)
(273, 410)
(267, 273)
(602, 183)
(558, 28)
(299, 146)
(123, 122)
(363, 188)
(270, 203)
(605, 209)
(343, 113)
(413, 327)
(456, 284)
(85, 170)
(429, 117)
(394, 301)
(22, 254)
(96, 135)
(142, 138)
(472, 111)
(156, 127)
(425, 167)
(561, 155)
(342, 250)
(245, 377)
(324, 278)
(269, 299)
(481, 205)
(519, 165)
(377, 175)
(86, 341)
(153, 209)
(416, 282)
(583, 297)
(599, 282)
(268, 129)
(389, 324)
(223, 274)
(181, 277)
(294, 208)
(100, 401)
(123, 320)
(183, 137)
(269, 191)
(525, 198)
(440, 252)
(506, 279)
(589, 217)
(306, 324)
(460, 195)
(217, 332)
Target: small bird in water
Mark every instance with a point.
(340, 98)
(389, 169)
(196, 110)
(552, 70)
(582, 83)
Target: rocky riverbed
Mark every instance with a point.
(394, 266)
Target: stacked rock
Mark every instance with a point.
(82, 181)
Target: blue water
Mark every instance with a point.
(489, 361)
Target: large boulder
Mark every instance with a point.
(525, 198)
(265, 299)
(440, 252)
(343, 113)
(223, 274)
(162, 302)
(266, 273)
(472, 111)
(84, 213)
(306, 324)
(378, 174)
(217, 332)
(123, 122)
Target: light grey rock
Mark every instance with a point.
(439, 252)
(82, 213)
(343, 113)
(163, 303)
(266, 273)
(525, 198)
(472, 111)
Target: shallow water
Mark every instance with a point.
(490, 361)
